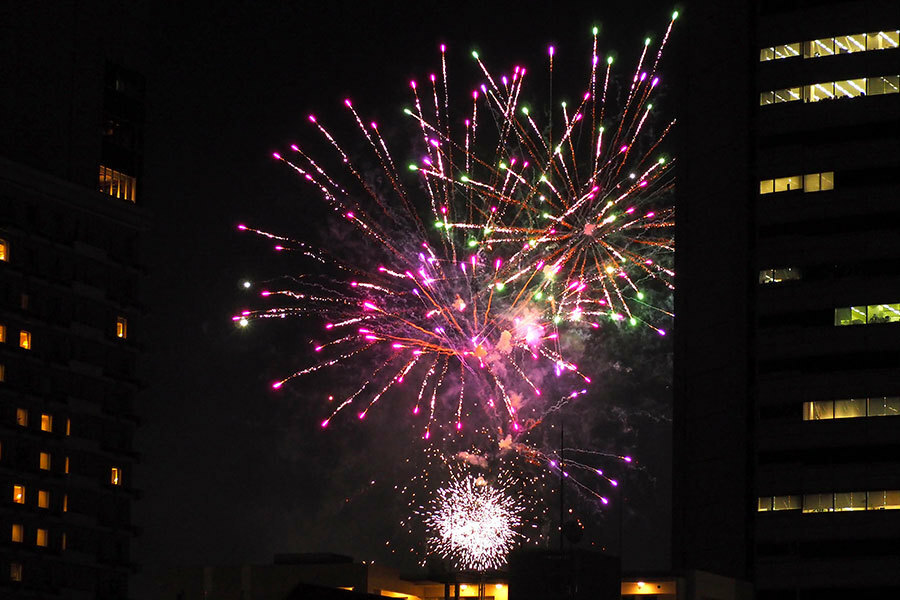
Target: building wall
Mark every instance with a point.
(713, 336)
(794, 262)
(70, 280)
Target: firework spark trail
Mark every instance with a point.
(526, 243)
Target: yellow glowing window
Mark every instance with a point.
(4, 250)
(814, 503)
(46, 422)
(2, 333)
(117, 185)
(65, 507)
(816, 411)
(22, 417)
(766, 186)
(43, 499)
(115, 476)
(66, 465)
(122, 327)
(15, 571)
(787, 184)
(884, 406)
(791, 502)
(41, 537)
(25, 339)
(850, 315)
(18, 533)
(19, 494)
(764, 504)
(884, 500)
(45, 461)
(849, 408)
(778, 275)
(849, 501)
(68, 427)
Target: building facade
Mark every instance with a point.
(787, 348)
(70, 221)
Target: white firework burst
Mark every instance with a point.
(473, 523)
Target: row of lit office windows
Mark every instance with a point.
(829, 90)
(24, 337)
(43, 498)
(867, 315)
(849, 408)
(46, 421)
(41, 536)
(832, 502)
(811, 182)
(841, 44)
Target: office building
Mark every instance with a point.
(70, 220)
(787, 343)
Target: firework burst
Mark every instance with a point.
(473, 264)
(474, 523)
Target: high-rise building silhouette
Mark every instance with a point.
(787, 342)
(70, 219)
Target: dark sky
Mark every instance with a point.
(232, 473)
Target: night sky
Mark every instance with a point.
(232, 473)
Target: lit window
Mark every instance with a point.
(867, 315)
(766, 186)
(2, 333)
(121, 327)
(883, 313)
(818, 182)
(15, 571)
(68, 427)
(886, 406)
(41, 537)
(4, 250)
(815, 503)
(116, 184)
(787, 502)
(18, 533)
(882, 40)
(22, 417)
(828, 90)
(848, 409)
(815, 411)
(845, 501)
(25, 339)
(788, 184)
(66, 466)
(2, 372)
(884, 500)
(779, 275)
(115, 476)
(851, 315)
(764, 504)
(19, 494)
(816, 48)
(888, 84)
(45, 461)
(43, 499)
(65, 507)
(46, 422)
